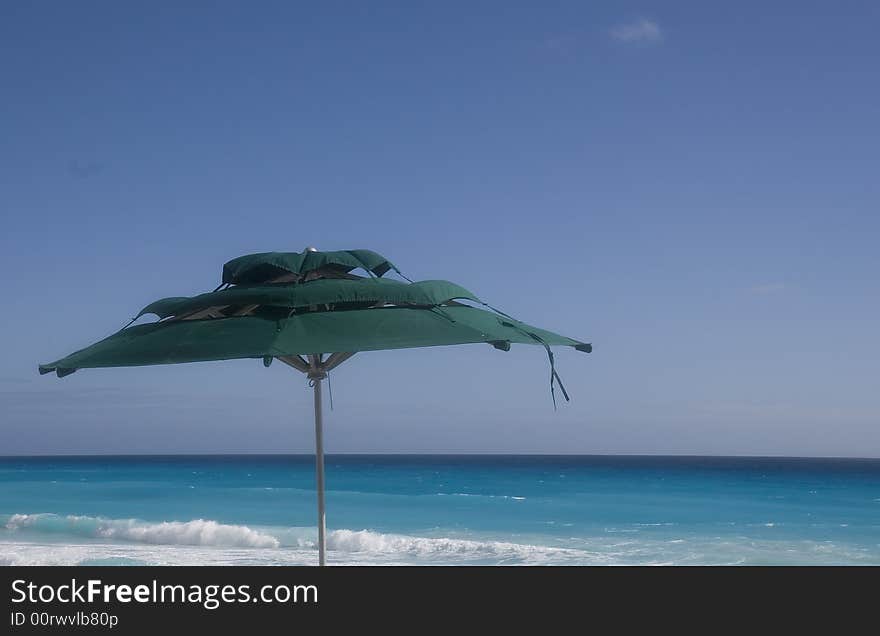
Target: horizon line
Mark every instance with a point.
(431, 454)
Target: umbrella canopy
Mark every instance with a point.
(299, 307)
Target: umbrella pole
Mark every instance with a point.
(319, 471)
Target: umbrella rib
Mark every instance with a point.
(214, 312)
(335, 359)
(245, 310)
(296, 362)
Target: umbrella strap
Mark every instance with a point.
(554, 376)
(498, 311)
(401, 274)
(329, 388)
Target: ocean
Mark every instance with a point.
(440, 510)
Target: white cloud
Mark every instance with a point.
(642, 31)
(767, 288)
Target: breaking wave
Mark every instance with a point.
(444, 547)
(196, 532)
(357, 544)
(50, 539)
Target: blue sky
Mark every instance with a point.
(691, 186)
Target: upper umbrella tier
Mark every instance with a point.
(267, 267)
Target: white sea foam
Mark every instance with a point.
(48, 539)
(471, 494)
(195, 532)
(446, 548)
(73, 535)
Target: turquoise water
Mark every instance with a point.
(440, 510)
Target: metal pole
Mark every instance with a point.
(319, 472)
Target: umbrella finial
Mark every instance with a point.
(311, 249)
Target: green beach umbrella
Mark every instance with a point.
(310, 311)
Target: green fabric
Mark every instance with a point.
(317, 292)
(260, 268)
(173, 342)
(326, 315)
